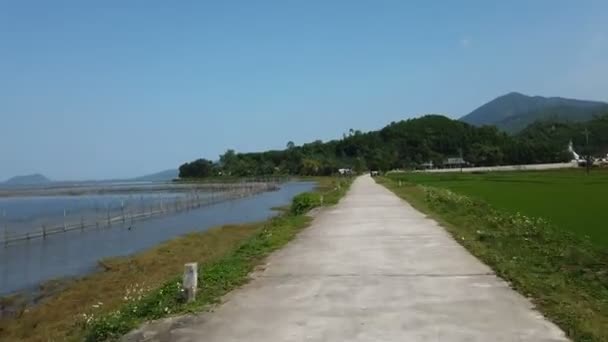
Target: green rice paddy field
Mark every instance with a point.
(569, 199)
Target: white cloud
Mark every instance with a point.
(465, 42)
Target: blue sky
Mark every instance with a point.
(123, 88)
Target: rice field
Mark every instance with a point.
(569, 199)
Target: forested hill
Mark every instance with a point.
(408, 144)
(514, 111)
(557, 133)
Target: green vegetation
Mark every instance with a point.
(304, 202)
(555, 133)
(146, 286)
(408, 144)
(199, 168)
(58, 317)
(568, 199)
(564, 274)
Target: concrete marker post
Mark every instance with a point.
(190, 281)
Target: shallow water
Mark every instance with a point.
(29, 213)
(25, 265)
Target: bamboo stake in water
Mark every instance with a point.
(122, 209)
(5, 226)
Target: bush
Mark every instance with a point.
(304, 202)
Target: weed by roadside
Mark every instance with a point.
(218, 277)
(566, 276)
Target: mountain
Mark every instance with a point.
(514, 111)
(165, 175)
(33, 179)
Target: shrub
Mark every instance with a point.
(304, 202)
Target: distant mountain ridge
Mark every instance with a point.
(514, 111)
(165, 175)
(39, 179)
(33, 179)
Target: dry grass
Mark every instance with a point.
(55, 318)
(59, 317)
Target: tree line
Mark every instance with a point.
(409, 144)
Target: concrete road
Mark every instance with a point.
(527, 167)
(370, 269)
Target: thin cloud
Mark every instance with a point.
(465, 42)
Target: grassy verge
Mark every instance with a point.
(566, 276)
(146, 286)
(559, 196)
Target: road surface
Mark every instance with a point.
(527, 167)
(371, 268)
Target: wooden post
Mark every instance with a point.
(43, 231)
(64, 223)
(122, 209)
(5, 227)
(190, 281)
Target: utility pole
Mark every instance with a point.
(461, 159)
(587, 151)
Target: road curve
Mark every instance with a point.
(371, 268)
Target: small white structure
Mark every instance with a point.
(427, 166)
(345, 171)
(456, 162)
(576, 156)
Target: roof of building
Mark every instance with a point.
(456, 160)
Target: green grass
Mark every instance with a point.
(563, 273)
(218, 277)
(569, 199)
(146, 286)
